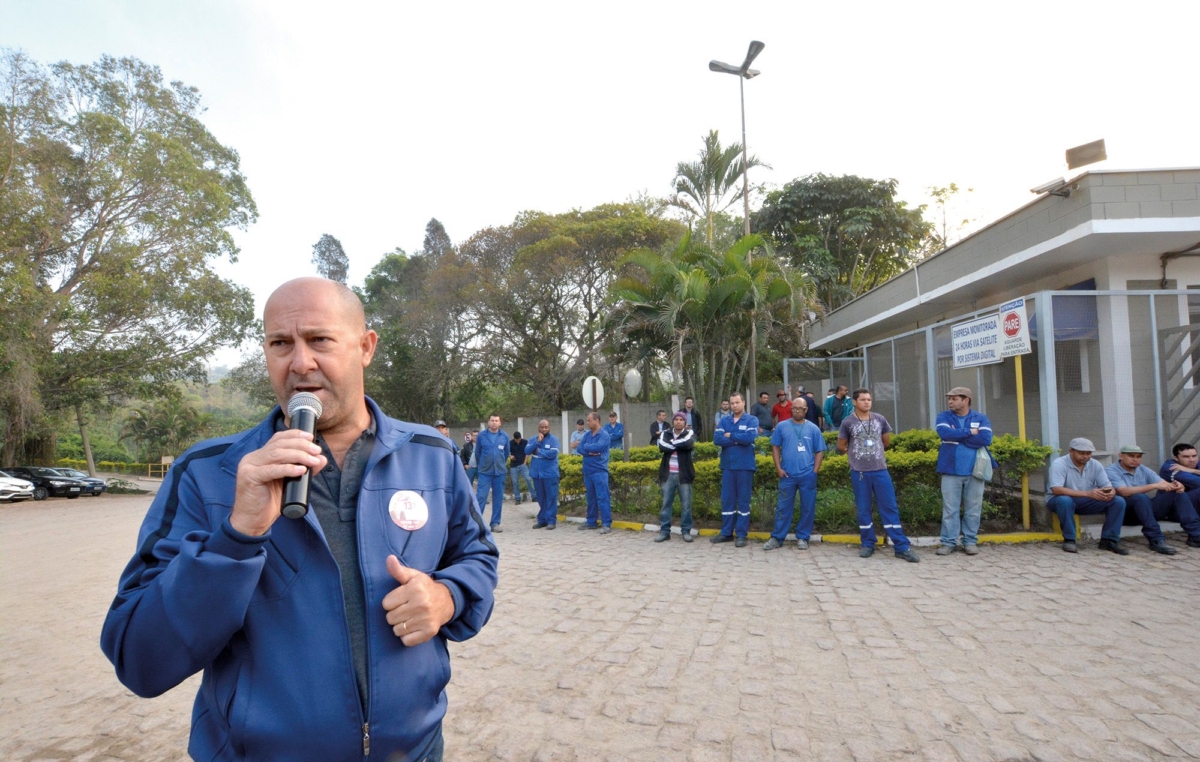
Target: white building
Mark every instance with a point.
(1111, 271)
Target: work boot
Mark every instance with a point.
(538, 525)
(945, 550)
(739, 542)
(496, 529)
(801, 544)
(587, 526)
(971, 550)
(721, 538)
(663, 537)
(605, 530)
(1161, 546)
(1113, 546)
(772, 544)
(1193, 542)
(687, 537)
(866, 551)
(909, 556)
(1069, 546)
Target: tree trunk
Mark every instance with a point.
(87, 445)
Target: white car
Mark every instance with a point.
(13, 489)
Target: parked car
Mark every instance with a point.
(95, 485)
(13, 489)
(48, 482)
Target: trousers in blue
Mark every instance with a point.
(789, 487)
(518, 473)
(1066, 507)
(494, 483)
(599, 508)
(877, 484)
(545, 491)
(735, 502)
(1166, 506)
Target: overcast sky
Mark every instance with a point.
(364, 120)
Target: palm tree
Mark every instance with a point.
(699, 305)
(702, 188)
(165, 427)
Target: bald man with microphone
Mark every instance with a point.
(313, 567)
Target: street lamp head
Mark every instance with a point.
(723, 68)
(751, 73)
(756, 47)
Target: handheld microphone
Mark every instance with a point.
(304, 409)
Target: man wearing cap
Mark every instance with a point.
(543, 454)
(615, 431)
(1135, 482)
(762, 411)
(798, 448)
(576, 435)
(964, 432)
(783, 408)
(1076, 484)
(444, 430)
(675, 474)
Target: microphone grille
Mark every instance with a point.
(304, 399)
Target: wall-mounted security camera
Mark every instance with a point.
(1055, 187)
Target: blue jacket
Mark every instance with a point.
(266, 620)
(737, 451)
(543, 457)
(616, 435)
(594, 449)
(1191, 481)
(491, 452)
(956, 455)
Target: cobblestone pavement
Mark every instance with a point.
(613, 647)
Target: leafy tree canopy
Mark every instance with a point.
(330, 259)
(114, 201)
(848, 234)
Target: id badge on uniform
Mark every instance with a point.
(800, 448)
(869, 444)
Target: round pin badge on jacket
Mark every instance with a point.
(408, 510)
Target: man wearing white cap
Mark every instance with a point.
(964, 433)
(1079, 485)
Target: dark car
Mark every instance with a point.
(47, 482)
(95, 485)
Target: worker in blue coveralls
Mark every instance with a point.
(594, 448)
(491, 457)
(615, 431)
(798, 449)
(863, 436)
(963, 432)
(735, 435)
(339, 618)
(543, 451)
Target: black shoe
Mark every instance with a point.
(663, 537)
(539, 525)
(588, 526)
(721, 538)
(1162, 547)
(1194, 542)
(1069, 546)
(739, 542)
(909, 556)
(1113, 546)
(866, 551)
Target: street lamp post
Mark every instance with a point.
(743, 73)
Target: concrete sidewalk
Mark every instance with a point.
(614, 647)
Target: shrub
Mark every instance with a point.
(916, 440)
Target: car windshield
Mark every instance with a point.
(6, 475)
(46, 472)
(70, 472)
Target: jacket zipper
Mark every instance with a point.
(366, 739)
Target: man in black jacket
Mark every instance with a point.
(675, 474)
(658, 427)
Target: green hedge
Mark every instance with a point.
(912, 461)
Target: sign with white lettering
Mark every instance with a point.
(1014, 329)
(976, 342)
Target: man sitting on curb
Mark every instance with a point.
(1135, 482)
(1078, 485)
(1181, 467)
